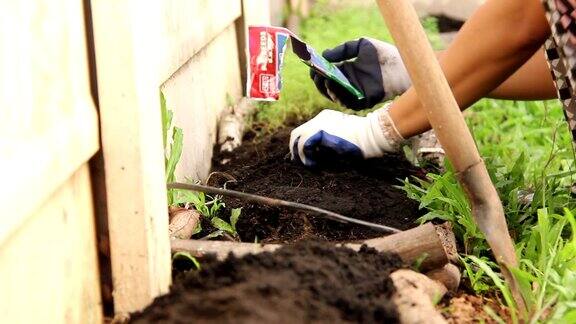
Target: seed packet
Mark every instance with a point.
(266, 48)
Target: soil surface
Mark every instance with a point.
(465, 308)
(309, 282)
(360, 189)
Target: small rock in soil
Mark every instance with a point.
(309, 282)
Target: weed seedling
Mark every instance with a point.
(186, 261)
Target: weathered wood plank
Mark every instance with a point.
(48, 132)
(49, 126)
(426, 244)
(186, 27)
(128, 59)
(197, 94)
(48, 267)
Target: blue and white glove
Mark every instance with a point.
(373, 66)
(332, 133)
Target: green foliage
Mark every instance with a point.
(166, 118)
(487, 268)
(528, 153)
(227, 227)
(174, 147)
(445, 200)
(234, 216)
(208, 208)
(175, 153)
(187, 257)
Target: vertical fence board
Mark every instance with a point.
(48, 127)
(48, 132)
(190, 49)
(126, 35)
(48, 267)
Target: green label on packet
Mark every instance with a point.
(309, 56)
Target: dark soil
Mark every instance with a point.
(359, 189)
(309, 282)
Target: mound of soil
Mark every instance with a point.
(360, 189)
(309, 282)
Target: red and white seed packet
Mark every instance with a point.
(266, 47)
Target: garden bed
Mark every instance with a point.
(361, 189)
(223, 291)
(308, 280)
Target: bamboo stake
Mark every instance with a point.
(445, 117)
(425, 244)
(449, 275)
(432, 246)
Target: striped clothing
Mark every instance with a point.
(561, 54)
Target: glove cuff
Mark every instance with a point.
(427, 149)
(395, 77)
(385, 133)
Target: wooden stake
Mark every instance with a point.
(431, 246)
(427, 244)
(445, 117)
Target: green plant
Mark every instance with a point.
(208, 208)
(186, 257)
(529, 156)
(444, 199)
(174, 147)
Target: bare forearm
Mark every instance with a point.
(532, 81)
(484, 54)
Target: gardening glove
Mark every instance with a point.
(372, 66)
(335, 134)
(427, 150)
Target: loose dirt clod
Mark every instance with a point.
(302, 283)
(360, 189)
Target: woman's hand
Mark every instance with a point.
(335, 134)
(372, 66)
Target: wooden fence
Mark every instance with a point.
(82, 196)
(48, 133)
